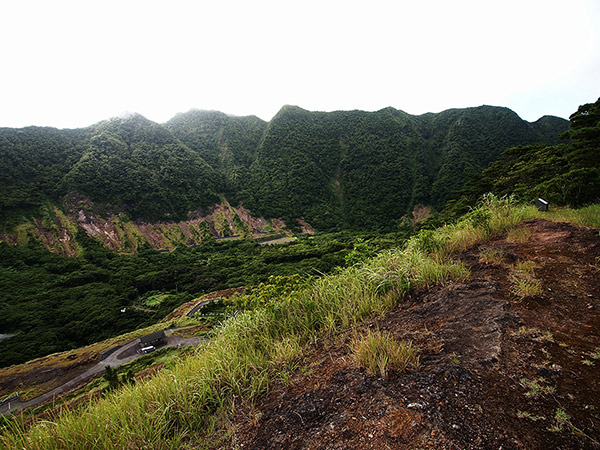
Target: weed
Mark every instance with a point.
(546, 336)
(595, 354)
(379, 353)
(523, 282)
(588, 362)
(588, 216)
(528, 415)
(561, 418)
(518, 235)
(536, 387)
(491, 256)
(536, 334)
(524, 287)
(522, 331)
(526, 267)
(547, 355)
(455, 359)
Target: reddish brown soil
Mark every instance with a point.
(481, 347)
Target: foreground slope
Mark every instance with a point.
(507, 356)
(498, 369)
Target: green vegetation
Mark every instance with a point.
(33, 161)
(565, 174)
(562, 420)
(588, 216)
(528, 415)
(54, 303)
(536, 387)
(137, 166)
(274, 289)
(520, 235)
(358, 170)
(524, 283)
(258, 345)
(491, 256)
(341, 170)
(379, 353)
(537, 335)
(227, 143)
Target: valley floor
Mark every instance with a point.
(501, 366)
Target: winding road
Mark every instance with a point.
(123, 355)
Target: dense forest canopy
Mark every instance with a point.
(357, 170)
(338, 170)
(54, 303)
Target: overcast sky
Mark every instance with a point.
(73, 63)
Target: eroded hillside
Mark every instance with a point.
(57, 231)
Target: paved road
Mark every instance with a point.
(123, 355)
(283, 240)
(192, 312)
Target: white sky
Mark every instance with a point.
(73, 63)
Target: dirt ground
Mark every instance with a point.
(497, 371)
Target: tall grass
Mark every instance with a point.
(247, 352)
(379, 353)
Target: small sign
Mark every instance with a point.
(541, 204)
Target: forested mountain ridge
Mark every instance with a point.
(125, 164)
(139, 165)
(336, 170)
(356, 169)
(564, 174)
(227, 143)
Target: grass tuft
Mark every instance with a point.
(524, 284)
(528, 415)
(536, 387)
(491, 256)
(379, 353)
(518, 235)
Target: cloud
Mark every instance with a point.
(73, 63)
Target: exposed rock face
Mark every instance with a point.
(57, 231)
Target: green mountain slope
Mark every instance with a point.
(359, 170)
(227, 143)
(565, 174)
(338, 170)
(139, 166)
(33, 162)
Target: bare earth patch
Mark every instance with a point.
(497, 370)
